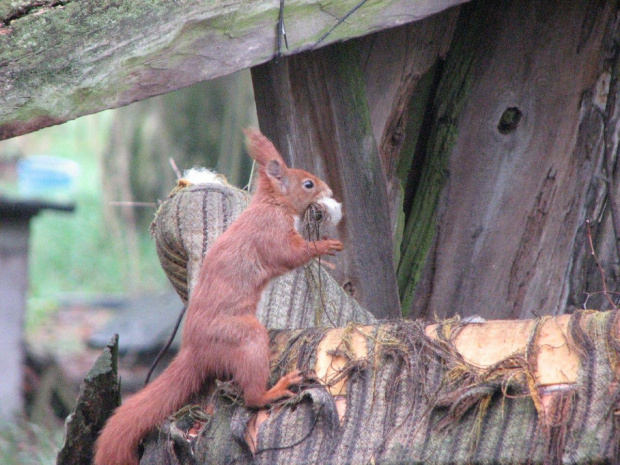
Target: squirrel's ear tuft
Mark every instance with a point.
(278, 173)
(260, 148)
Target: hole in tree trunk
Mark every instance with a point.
(349, 288)
(509, 120)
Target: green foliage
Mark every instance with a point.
(123, 155)
(76, 252)
(29, 444)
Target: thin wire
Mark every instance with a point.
(340, 21)
(165, 348)
(281, 32)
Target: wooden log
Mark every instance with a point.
(313, 107)
(545, 345)
(537, 391)
(61, 60)
(482, 345)
(99, 396)
(487, 344)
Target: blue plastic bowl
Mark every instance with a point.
(47, 176)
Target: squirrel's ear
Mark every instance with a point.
(277, 172)
(260, 148)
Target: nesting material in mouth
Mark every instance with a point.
(332, 210)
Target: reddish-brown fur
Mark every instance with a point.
(222, 336)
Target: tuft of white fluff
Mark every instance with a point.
(334, 209)
(203, 176)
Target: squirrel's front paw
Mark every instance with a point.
(329, 246)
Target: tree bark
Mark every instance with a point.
(99, 395)
(394, 62)
(512, 155)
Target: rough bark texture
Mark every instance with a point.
(393, 395)
(513, 151)
(305, 105)
(63, 59)
(99, 396)
(394, 62)
(598, 139)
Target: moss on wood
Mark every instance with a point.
(63, 59)
(421, 224)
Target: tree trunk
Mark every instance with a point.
(305, 105)
(394, 64)
(511, 163)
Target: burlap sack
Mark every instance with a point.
(194, 215)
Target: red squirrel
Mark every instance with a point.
(221, 336)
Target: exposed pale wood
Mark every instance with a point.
(61, 60)
(329, 364)
(508, 205)
(487, 344)
(313, 107)
(481, 345)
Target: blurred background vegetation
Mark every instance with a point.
(104, 247)
(124, 157)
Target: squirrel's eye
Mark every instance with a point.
(308, 184)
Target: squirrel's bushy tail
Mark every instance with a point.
(118, 442)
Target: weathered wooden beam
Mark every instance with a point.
(313, 107)
(63, 59)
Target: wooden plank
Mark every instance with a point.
(61, 60)
(313, 107)
(494, 224)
